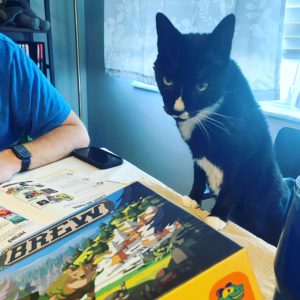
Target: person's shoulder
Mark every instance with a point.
(7, 45)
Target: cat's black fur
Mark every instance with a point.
(233, 136)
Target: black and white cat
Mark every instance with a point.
(218, 117)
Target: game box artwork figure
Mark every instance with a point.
(131, 244)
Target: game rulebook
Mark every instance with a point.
(129, 244)
(36, 199)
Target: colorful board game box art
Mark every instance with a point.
(132, 244)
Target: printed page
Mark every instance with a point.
(53, 192)
(14, 227)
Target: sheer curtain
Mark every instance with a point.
(130, 36)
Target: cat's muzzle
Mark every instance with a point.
(177, 114)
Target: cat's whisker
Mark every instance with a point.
(229, 119)
(206, 117)
(202, 127)
(224, 116)
(214, 120)
(215, 123)
(218, 125)
(200, 122)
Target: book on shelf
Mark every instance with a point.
(36, 51)
(104, 240)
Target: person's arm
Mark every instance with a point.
(48, 148)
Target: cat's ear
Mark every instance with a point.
(222, 36)
(168, 36)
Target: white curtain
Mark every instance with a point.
(130, 36)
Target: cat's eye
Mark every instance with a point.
(167, 81)
(201, 87)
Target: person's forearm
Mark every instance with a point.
(9, 165)
(56, 144)
(48, 148)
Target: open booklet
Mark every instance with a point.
(34, 200)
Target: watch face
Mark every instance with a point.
(22, 151)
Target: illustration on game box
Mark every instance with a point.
(132, 244)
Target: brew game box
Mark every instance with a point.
(129, 244)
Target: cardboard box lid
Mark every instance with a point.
(131, 241)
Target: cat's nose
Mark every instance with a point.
(177, 114)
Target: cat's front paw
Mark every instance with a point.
(215, 222)
(198, 197)
(188, 202)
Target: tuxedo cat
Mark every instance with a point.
(214, 109)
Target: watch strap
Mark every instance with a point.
(23, 154)
(25, 164)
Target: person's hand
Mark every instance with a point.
(9, 165)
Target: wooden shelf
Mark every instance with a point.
(20, 29)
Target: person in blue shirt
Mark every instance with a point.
(30, 104)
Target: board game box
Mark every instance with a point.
(131, 244)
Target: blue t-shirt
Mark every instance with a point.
(28, 102)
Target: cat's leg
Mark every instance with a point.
(197, 192)
(199, 184)
(224, 204)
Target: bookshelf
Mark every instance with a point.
(40, 52)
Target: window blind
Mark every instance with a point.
(291, 30)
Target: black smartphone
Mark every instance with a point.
(98, 157)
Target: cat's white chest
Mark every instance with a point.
(214, 174)
(186, 128)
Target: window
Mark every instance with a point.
(287, 107)
(290, 64)
(263, 30)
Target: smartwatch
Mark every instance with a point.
(22, 153)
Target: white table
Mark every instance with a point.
(261, 254)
